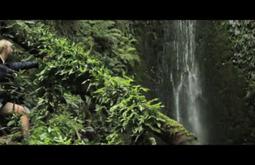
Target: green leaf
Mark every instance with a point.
(11, 123)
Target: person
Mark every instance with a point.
(7, 107)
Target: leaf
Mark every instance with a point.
(10, 123)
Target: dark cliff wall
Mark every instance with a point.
(222, 84)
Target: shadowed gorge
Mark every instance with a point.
(101, 82)
(188, 66)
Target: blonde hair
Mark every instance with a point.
(5, 49)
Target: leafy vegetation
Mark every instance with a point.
(241, 36)
(104, 39)
(83, 92)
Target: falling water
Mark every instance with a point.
(184, 77)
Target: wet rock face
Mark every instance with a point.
(219, 81)
(169, 53)
(181, 139)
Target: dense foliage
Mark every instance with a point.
(82, 92)
(241, 36)
(243, 39)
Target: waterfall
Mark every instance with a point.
(172, 58)
(184, 78)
